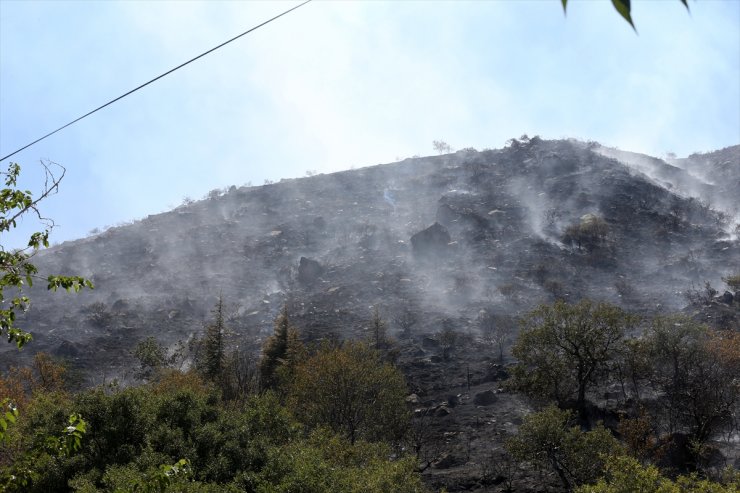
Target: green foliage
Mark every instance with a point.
(281, 351)
(211, 354)
(733, 281)
(160, 478)
(352, 391)
(70, 440)
(166, 478)
(16, 269)
(326, 462)
(548, 440)
(627, 475)
(563, 350)
(589, 233)
(624, 8)
(8, 417)
(25, 471)
(151, 355)
(176, 435)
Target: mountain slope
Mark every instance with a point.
(530, 223)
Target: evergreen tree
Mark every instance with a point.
(279, 352)
(210, 356)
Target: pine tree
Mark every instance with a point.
(280, 352)
(211, 356)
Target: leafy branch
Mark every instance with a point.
(16, 268)
(624, 8)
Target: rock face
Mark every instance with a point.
(309, 270)
(432, 241)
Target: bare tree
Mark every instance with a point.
(378, 326)
(496, 330)
(241, 376)
(424, 440)
(441, 147)
(447, 339)
(406, 321)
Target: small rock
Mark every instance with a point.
(413, 399)
(442, 411)
(429, 343)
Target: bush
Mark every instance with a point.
(589, 233)
(626, 475)
(733, 282)
(326, 462)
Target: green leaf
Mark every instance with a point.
(623, 7)
(565, 5)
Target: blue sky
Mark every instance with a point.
(336, 85)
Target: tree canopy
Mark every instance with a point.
(352, 391)
(563, 348)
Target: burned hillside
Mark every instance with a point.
(443, 237)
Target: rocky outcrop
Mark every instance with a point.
(432, 241)
(309, 270)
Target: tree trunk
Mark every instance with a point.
(561, 473)
(581, 404)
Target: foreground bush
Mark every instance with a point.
(178, 435)
(627, 475)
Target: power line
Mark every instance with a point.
(154, 80)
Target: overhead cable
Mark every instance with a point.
(154, 79)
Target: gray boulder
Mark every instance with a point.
(485, 398)
(309, 270)
(433, 240)
(726, 298)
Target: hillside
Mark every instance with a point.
(437, 243)
(506, 213)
